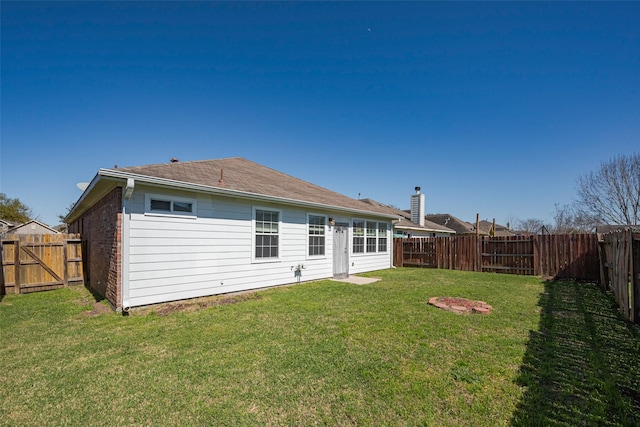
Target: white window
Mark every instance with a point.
(382, 237)
(266, 234)
(358, 236)
(372, 233)
(170, 205)
(316, 232)
(369, 236)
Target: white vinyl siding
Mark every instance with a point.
(212, 250)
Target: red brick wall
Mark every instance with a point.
(101, 230)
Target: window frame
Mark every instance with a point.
(309, 235)
(361, 237)
(385, 236)
(172, 212)
(373, 232)
(254, 234)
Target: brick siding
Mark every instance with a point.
(101, 230)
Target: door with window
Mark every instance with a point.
(341, 251)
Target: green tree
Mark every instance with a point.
(61, 217)
(13, 209)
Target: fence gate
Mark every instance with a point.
(37, 262)
(512, 255)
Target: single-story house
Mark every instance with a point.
(5, 225)
(32, 227)
(179, 230)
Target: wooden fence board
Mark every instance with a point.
(40, 262)
(562, 256)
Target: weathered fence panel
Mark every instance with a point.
(511, 255)
(567, 256)
(562, 256)
(620, 263)
(32, 263)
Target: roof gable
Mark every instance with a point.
(31, 227)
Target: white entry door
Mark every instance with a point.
(341, 251)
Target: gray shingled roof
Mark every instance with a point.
(243, 175)
(501, 230)
(448, 220)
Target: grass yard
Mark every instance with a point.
(327, 353)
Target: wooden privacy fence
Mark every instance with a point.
(620, 270)
(562, 256)
(38, 262)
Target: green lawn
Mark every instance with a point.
(327, 353)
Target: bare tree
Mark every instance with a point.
(568, 219)
(612, 194)
(530, 226)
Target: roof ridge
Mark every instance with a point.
(186, 162)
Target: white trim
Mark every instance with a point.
(255, 259)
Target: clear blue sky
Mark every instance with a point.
(492, 108)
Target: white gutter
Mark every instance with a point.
(404, 227)
(111, 173)
(124, 244)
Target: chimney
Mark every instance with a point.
(417, 207)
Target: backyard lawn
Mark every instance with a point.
(326, 353)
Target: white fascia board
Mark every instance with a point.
(111, 173)
(430, 230)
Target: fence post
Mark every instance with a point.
(635, 276)
(16, 266)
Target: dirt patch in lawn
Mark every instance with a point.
(460, 305)
(97, 309)
(199, 303)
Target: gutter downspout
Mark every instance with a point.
(127, 192)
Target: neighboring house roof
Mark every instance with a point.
(32, 227)
(458, 225)
(237, 177)
(404, 222)
(501, 230)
